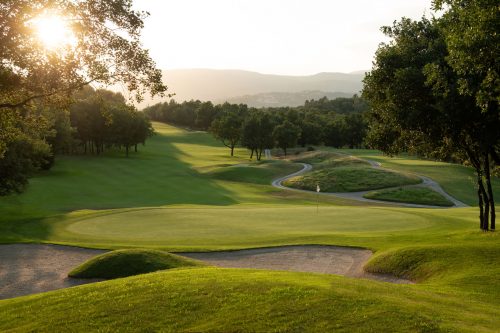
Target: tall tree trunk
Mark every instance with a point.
(135, 148)
(483, 200)
(232, 151)
(481, 207)
(251, 155)
(489, 188)
(126, 150)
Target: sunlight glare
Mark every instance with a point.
(53, 32)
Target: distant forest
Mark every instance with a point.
(338, 122)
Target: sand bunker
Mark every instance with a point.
(305, 258)
(34, 268)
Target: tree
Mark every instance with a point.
(128, 127)
(227, 126)
(25, 148)
(257, 133)
(104, 48)
(472, 32)
(205, 114)
(416, 103)
(355, 130)
(286, 135)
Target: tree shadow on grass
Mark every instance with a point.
(155, 176)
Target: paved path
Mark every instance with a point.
(359, 196)
(34, 268)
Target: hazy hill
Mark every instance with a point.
(275, 99)
(238, 85)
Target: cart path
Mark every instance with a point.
(359, 196)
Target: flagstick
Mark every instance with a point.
(317, 198)
(317, 203)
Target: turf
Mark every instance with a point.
(122, 263)
(350, 179)
(324, 159)
(230, 300)
(457, 180)
(414, 194)
(177, 194)
(257, 173)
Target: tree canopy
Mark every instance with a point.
(104, 48)
(418, 104)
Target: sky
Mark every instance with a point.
(287, 37)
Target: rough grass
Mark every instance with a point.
(350, 179)
(468, 267)
(236, 300)
(414, 194)
(325, 159)
(122, 263)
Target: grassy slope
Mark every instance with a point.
(457, 180)
(122, 263)
(418, 195)
(350, 179)
(261, 173)
(202, 212)
(228, 300)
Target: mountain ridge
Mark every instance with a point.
(220, 85)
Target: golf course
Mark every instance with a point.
(184, 193)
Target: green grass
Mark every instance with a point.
(122, 263)
(324, 159)
(350, 179)
(230, 300)
(457, 180)
(180, 193)
(414, 194)
(256, 173)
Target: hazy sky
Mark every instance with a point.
(296, 37)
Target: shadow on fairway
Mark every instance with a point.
(155, 176)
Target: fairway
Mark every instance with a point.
(183, 192)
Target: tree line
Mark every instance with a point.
(337, 123)
(96, 120)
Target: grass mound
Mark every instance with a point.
(469, 267)
(350, 179)
(255, 173)
(122, 263)
(323, 159)
(415, 195)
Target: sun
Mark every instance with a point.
(53, 31)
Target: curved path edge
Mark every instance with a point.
(359, 196)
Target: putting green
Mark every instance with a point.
(205, 227)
